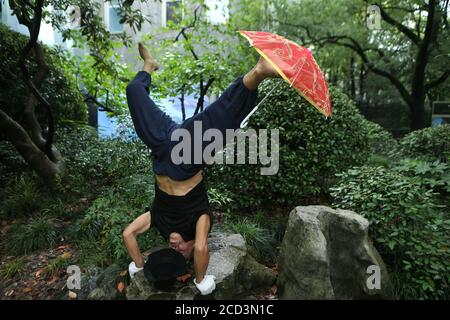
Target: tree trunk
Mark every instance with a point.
(37, 159)
(352, 78)
(418, 114)
(362, 76)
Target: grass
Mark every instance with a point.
(38, 233)
(262, 241)
(12, 268)
(58, 265)
(91, 253)
(21, 198)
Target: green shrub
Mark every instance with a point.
(22, 197)
(115, 209)
(408, 227)
(381, 141)
(91, 253)
(63, 94)
(101, 162)
(431, 143)
(312, 150)
(431, 175)
(38, 233)
(219, 200)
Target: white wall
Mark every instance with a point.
(47, 35)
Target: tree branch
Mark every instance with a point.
(35, 157)
(89, 98)
(438, 81)
(400, 27)
(34, 24)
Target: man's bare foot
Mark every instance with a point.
(261, 71)
(150, 63)
(265, 69)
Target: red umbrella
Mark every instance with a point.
(295, 64)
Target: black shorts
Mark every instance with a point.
(171, 213)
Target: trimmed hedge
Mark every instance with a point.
(381, 141)
(312, 149)
(431, 143)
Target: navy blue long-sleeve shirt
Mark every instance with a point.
(155, 128)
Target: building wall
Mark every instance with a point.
(47, 34)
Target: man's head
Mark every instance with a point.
(177, 243)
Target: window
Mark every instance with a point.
(171, 11)
(112, 16)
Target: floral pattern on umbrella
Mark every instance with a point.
(295, 64)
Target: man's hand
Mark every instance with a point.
(207, 285)
(133, 269)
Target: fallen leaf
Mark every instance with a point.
(274, 289)
(123, 273)
(184, 278)
(53, 280)
(120, 286)
(26, 290)
(66, 255)
(39, 272)
(72, 295)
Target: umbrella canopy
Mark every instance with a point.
(295, 64)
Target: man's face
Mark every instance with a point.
(177, 243)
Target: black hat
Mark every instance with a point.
(165, 265)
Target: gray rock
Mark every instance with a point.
(88, 283)
(325, 254)
(97, 294)
(97, 284)
(238, 274)
(107, 281)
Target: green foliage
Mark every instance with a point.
(95, 164)
(345, 47)
(221, 54)
(58, 265)
(115, 209)
(312, 149)
(91, 253)
(38, 233)
(431, 143)
(21, 198)
(260, 240)
(65, 99)
(219, 200)
(12, 268)
(432, 175)
(408, 227)
(381, 141)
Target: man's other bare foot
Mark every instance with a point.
(150, 63)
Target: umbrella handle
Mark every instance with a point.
(244, 122)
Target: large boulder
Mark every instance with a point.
(238, 275)
(327, 254)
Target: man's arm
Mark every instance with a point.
(138, 226)
(201, 252)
